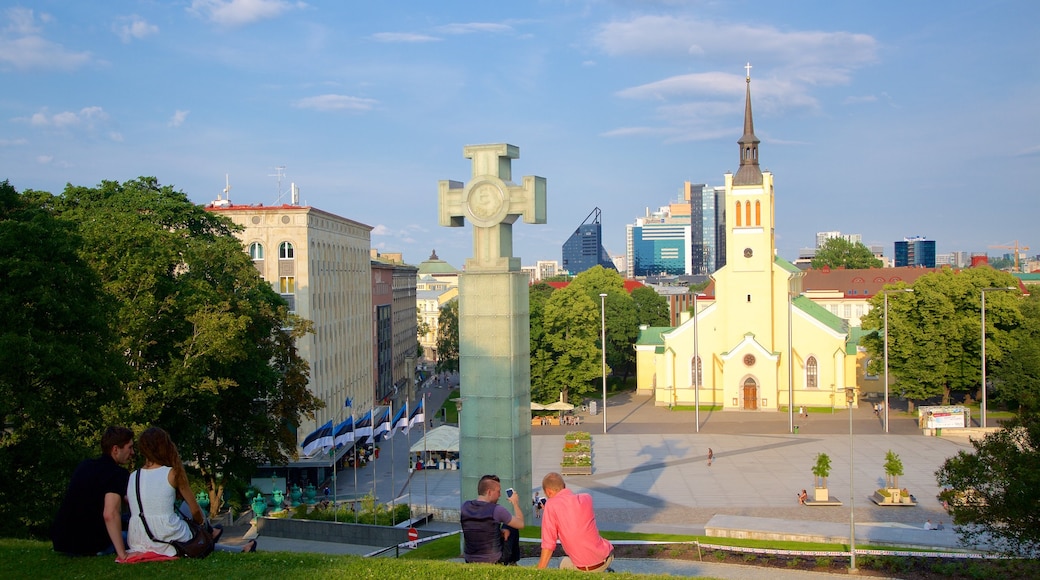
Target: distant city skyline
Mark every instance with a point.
(887, 119)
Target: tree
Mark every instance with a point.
(893, 469)
(943, 309)
(57, 361)
(571, 320)
(651, 308)
(448, 337)
(822, 470)
(209, 346)
(992, 491)
(622, 327)
(1017, 377)
(841, 253)
(541, 352)
(421, 330)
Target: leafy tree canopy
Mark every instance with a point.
(448, 337)
(841, 253)
(1016, 378)
(943, 309)
(992, 491)
(651, 308)
(570, 356)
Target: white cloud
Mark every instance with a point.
(22, 47)
(44, 159)
(403, 37)
(241, 12)
(178, 118)
(381, 230)
(335, 103)
(87, 120)
(472, 27)
(134, 28)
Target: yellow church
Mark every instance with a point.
(736, 351)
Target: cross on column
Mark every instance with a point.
(747, 68)
(492, 203)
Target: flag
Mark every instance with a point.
(418, 416)
(400, 420)
(382, 424)
(345, 432)
(317, 440)
(363, 428)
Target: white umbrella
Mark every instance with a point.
(537, 406)
(559, 406)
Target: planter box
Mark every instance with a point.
(576, 470)
(821, 494)
(892, 497)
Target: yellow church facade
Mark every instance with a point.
(736, 352)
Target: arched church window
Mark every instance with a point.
(758, 213)
(738, 214)
(747, 211)
(812, 373)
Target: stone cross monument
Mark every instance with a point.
(494, 320)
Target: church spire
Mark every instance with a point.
(749, 172)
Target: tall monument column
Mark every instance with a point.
(494, 319)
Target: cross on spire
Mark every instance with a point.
(747, 67)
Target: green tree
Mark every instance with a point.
(943, 309)
(651, 307)
(57, 361)
(571, 320)
(1016, 379)
(893, 469)
(992, 491)
(821, 470)
(841, 253)
(421, 330)
(541, 352)
(622, 326)
(209, 346)
(448, 337)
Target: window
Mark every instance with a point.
(256, 251)
(287, 288)
(812, 373)
(285, 251)
(758, 213)
(696, 371)
(738, 214)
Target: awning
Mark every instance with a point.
(443, 438)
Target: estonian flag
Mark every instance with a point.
(363, 428)
(400, 420)
(345, 432)
(317, 440)
(417, 415)
(382, 424)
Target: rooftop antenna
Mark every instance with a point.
(295, 194)
(279, 174)
(226, 200)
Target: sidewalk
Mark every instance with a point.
(651, 475)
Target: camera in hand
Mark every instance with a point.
(509, 492)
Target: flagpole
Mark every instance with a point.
(426, 484)
(393, 486)
(373, 462)
(353, 451)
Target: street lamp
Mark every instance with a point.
(850, 397)
(790, 360)
(603, 348)
(984, 290)
(696, 366)
(886, 293)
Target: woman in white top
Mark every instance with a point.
(162, 480)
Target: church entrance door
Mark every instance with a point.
(750, 395)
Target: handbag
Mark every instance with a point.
(199, 546)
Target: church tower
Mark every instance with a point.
(750, 245)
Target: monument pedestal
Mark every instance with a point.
(495, 381)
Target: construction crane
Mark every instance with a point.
(1017, 249)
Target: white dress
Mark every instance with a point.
(157, 497)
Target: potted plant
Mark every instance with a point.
(821, 470)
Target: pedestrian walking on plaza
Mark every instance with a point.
(711, 455)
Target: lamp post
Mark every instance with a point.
(886, 293)
(696, 366)
(603, 348)
(983, 292)
(850, 397)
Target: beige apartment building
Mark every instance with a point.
(320, 263)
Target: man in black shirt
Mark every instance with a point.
(89, 521)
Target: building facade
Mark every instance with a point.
(708, 226)
(916, 252)
(319, 262)
(754, 344)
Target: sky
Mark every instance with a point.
(886, 119)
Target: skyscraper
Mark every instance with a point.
(584, 249)
(915, 251)
(708, 225)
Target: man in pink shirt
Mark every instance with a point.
(569, 518)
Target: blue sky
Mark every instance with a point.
(887, 119)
